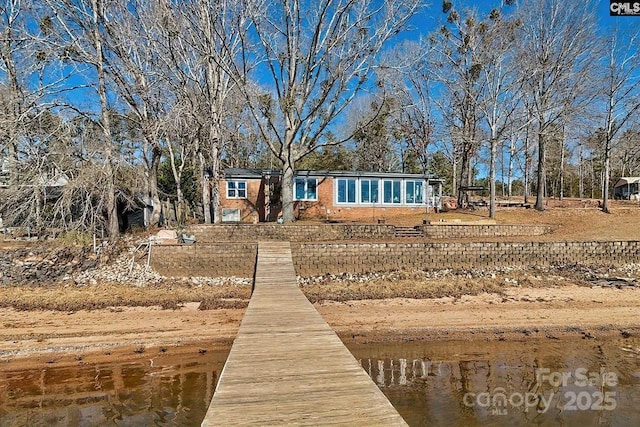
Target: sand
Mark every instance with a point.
(53, 337)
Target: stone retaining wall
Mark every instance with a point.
(311, 259)
(205, 260)
(335, 232)
(454, 231)
(316, 232)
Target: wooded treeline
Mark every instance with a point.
(107, 104)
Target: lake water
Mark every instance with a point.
(564, 382)
(173, 391)
(529, 383)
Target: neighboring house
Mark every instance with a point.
(4, 173)
(626, 187)
(51, 178)
(253, 195)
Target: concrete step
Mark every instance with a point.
(408, 232)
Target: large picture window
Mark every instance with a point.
(236, 189)
(391, 192)
(369, 191)
(306, 189)
(346, 190)
(414, 192)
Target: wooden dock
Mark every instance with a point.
(287, 366)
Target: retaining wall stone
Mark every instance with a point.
(318, 258)
(205, 259)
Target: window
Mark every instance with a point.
(369, 191)
(306, 189)
(236, 189)
(414, 192)
(391, 192)
(346, 190)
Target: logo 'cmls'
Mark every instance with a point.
(624, 8)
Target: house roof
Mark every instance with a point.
(627, 180)
(247, 173)
(364, 174)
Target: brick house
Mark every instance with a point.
(253, 195)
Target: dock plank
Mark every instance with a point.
(287, 366)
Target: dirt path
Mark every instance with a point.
(56, 337)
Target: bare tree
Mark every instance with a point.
(457, 66)
(80, 30)
(184, 133)
(205, 39)
(500, 94)
(30, 83)
(556, 39)
(621, 95)
(137, 40)
(13, 102)
(410, 81)
(373, 133)
(627, 152)
(317, 57)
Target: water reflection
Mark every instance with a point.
(502, 383)
(173, 392)
(430, 383)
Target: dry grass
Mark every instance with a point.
(571, 219)
(104, 295)
(400, 289)
(217, 303)
(457, 283)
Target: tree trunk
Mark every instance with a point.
(454, 176)
(14, 109)
(562, 168)
(580, 172)
(527, 166)
(113, 226)
(464, 176)
(287, 192)
(215, 187)
(153, 187)
(541, 173)
(606, 173)
(512, 153)
(206, 190)
(593, 180)
(214, 76)
(492, 179)
(38, 200)
(503, 185)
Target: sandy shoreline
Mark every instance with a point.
(36, 338)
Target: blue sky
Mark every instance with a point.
(432, 15)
